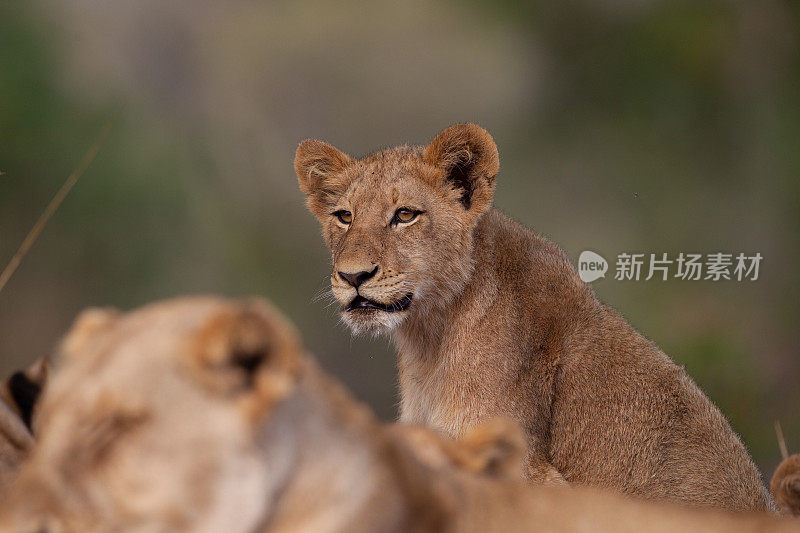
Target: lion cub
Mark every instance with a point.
(490, 319)
(203, 414)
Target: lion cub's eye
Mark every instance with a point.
(345, 217)
(404, 215)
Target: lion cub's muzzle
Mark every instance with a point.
(370, 290)
(355, 279)
(359, 302)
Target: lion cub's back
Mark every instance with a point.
(651, 430)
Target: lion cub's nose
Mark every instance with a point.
(357, 278)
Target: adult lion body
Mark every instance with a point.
(490, 320)
(203, 414)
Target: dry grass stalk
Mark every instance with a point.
(52, 207)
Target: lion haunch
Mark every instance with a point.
(495, 321)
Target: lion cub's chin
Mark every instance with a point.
(372, 321)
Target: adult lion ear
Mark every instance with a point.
(22, 390)
(250, 353)
(494, 447)
(319, 166)
(785, 486)
(468, 156)
(89, 323)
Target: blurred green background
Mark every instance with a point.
(623, 126)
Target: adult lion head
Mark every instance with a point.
(204, 414)
(399, 222)
(154, 420)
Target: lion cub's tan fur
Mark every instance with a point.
(203, 414)
(500, 324)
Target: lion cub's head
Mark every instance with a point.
(152, 421)
(399, 222)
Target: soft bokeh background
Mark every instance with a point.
(623, 126)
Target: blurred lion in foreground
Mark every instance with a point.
(785, 486)
(19, 399)
(203, 414)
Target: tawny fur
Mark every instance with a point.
(19, 395)
(500, 324)
(203, 414)
(785, 486)
(15, 442)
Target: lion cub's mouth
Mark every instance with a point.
(359, 302)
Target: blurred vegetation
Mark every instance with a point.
(623, 127)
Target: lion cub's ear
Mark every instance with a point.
(249, 353)
(319, 167)
(468, 156)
